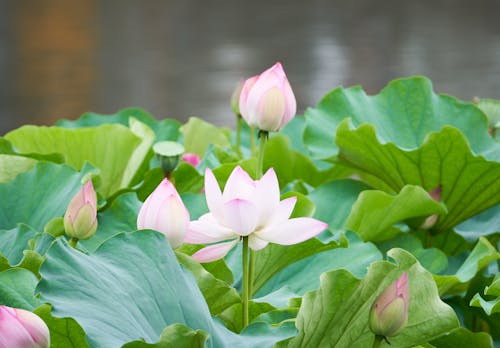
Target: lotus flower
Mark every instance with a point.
(80, 220)
(163, 211)
(191, 158)
(267, 101)
(247, 208)
(22, 329)
(389, 312)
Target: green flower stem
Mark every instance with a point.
(263, 136)
(251, 269)
(239, 123)
(378, 341)
(73, 241)
(246, 282)
(251, 134)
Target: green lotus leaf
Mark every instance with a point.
(12, 165)
(336, 315)
(462, 337)
(374, 213)
(37, 196)
(116, 150)
(175, 335)
(17, 289)
(198, 135)
(493, 291)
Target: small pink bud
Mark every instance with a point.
(267, 100)
(22, 329)
(191, 158)
(389, 312)
(80, 220)
(164, 211)
(431, 220)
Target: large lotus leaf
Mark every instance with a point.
(167, 129)
(120, 216)
(470, 184)
(462, 337)
(403, 113)
(482, 254)
(334, 201)
(114, 149)
(12, 165)
(304, 275)
(64, 332)
(17, 289)
(493, 292)
(134, 277)
(375, 212)
(14, 241)
(483, 224)
(175, 335)
(37, 196)
(198, 135)
(336, 315)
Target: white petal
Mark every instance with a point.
(267, 196)
(173, 220)
(255, 243)
(207, 230)
(282, 213)
(214, 252)
(292, 231)
(213, 195)
(238, 185)
(240, 216)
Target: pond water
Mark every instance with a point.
(176, 59)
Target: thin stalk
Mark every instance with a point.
(238, 133)
(246, 282)
(263, 136)
(378, 341)
(73, 241)
(251, 270)
(251, 134)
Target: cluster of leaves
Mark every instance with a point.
(364, 164)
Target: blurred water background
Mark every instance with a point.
(176, 59)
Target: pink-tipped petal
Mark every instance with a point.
(213, 195)
(240, 216)
(292, 231)
(255, 243)
(214, 252)
(191, 158)
(247, 86)
(267, 196)
(89, 195)
(239, 185)
(207, 230)
(282, 212)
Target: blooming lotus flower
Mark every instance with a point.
(267, 101)
(22, 329)
(191, 158)
(80, 220)
(247, 208)
(389, 312)
(163, 211)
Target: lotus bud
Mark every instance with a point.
(22, 329)
(235, 97)
(431, 220)
(191, 158)
(163, 211)
(168, 154)
(389, 312)
(267, 100)
(80, 220)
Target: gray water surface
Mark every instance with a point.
(177, 59)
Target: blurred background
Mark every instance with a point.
(176, 59)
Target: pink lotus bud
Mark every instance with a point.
(80, 220)
(235, 97)
(431, 220)
(22, 329)
(163, 211)
(267, 101)
(191, 158)
(389, 312)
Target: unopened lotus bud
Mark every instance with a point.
(22, 329)
(431, 220)
(80, 220)
(267, 101)
(235, 97)
(389, 312)
(191, 158)
(168, 154)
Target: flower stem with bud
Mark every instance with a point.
(246, 282)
